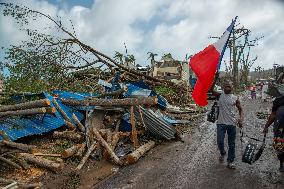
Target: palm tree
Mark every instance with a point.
(152, 57)
(118, 56)
(130, 59)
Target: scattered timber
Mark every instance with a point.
(43, 154)
(24, 147)
(86, 156)
(68, 135)
(112, 102)
(63, 113)
(106, 146)
(81, 150)
(134, 138)
(53, 166)
(9, 162)
(28, 112)
(69, 125)
(80, 125)
(26, 105)
(71, 151)
(134, 156)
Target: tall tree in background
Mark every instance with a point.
(152, 58)
(239, 45)
(118, 56)
(246, 64)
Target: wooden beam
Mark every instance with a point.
(68, 135)
(9, 162)
(27, 112)
(42, 162)
(134, 156)
(113, 102)
(134, 138)
(71, 151)
(86, 156)
(64, 115)
(106, 146)
(80, 125)
(24, 147)
(25, 105)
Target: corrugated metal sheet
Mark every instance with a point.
(156, 125)
(19, 127)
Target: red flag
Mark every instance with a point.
(205, 64)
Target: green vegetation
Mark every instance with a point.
(164, 90)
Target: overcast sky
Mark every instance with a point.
(161, 26)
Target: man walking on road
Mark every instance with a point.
(227, 122)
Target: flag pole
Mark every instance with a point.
(219, 64)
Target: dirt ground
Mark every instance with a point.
(92, 173)
(194, 164)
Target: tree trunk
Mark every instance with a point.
(28, 112)
(25, 105)
(106, 146)
(68, 135)
(64, 115)
(86, 156)
(71, 151)
(9, 162)
(134, 138)
(81, 150)
(80, 125)
(113, 102)
(24, 147)
(42, 162)
(134, 156)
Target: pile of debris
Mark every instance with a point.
(121, 125)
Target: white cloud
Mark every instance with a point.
(162, 26)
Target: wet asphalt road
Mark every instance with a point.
(194, 164)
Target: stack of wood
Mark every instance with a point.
(26, 108)
(100, 132)
(20, 156)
